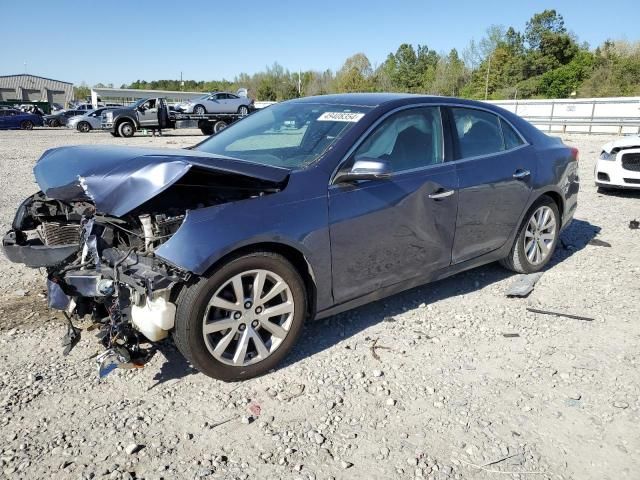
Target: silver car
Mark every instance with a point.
(217, 102)
(89, 121)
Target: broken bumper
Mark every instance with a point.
(36, 256)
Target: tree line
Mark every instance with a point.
(544, 61)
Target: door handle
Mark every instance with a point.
(441, 193)
(521, 174)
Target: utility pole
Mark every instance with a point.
(486, 83)
(299, 83)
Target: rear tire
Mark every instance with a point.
(218, 352)
(219, 126)
(126, 129)
(26, 125)
(243, 110)
(534, 247)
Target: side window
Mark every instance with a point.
(407, 140)
(511, 138)
(231, 96)
(221, 96)
(478, 132)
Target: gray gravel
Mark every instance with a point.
(421, 385)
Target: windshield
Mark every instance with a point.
(137, 103)
(291, 135)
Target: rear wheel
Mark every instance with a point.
(219, 126)
(205, 127)
(54, 122)
(199, 110)
(242, 320)
(84, 127)
(26, 125)
(126, 129)
(537, 238)
(243, 110)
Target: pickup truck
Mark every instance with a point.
(154, 113)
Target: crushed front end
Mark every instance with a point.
(103, 267)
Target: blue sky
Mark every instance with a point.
(121, 41)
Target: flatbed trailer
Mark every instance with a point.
(126, 121)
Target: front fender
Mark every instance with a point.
(208, 234)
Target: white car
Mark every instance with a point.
(619, 164)
(217, 102)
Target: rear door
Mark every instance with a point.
(495, 166)
(391, 230)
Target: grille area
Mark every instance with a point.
(54, 233)
(635, 181)
(631, 161)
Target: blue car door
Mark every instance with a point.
(386, 231)
(495, 167)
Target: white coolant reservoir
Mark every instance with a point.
(154, 318)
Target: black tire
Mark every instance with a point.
(126, 129)
(114, 134)
(517, 259)
(26, 125)
(54, 122)
(192, 303)
(199, 110)
(206, 128)
(243, 110)
(84, 127)
(219, 126)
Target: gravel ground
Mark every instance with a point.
(425, 384)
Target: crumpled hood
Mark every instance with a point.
(624, 142)
(119, 179)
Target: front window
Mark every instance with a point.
(291, 135)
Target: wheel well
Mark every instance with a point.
(296, 258)
(556, 197)
(124, 119)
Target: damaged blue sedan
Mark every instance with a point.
(303, 210)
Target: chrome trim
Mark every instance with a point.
(445, 194)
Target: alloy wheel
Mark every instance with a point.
(243, 110)
(248, 318)
(540, 235)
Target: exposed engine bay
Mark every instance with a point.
(103, 266)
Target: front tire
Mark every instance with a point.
(54, 123)
(126, 129)
(84, 127)
(26, 125)
(537, 238)
(199, 110)
(219, 126)
(242, 320)
(243, 110)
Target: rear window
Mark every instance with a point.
(478, 132)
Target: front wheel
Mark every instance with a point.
(537, 238)
(126, 129)
(26, 125)
(54, 123)
(241, 321)
(84, 127)
(199, 110)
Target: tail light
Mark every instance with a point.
(575, 153)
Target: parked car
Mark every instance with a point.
(91, 120)
(619, 164)
(56, 107)
(11, 118)
(61, 118)
(217, 102)
(231, 245)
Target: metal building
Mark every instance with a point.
(35, 89)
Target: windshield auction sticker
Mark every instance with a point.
(340, 117)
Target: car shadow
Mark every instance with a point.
(175, 366)
(620, 192)
(325, 333)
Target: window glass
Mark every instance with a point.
(478, 132)
(407, 140)
(289, 134)
(511, 138)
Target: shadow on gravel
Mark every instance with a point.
(325, 333)
(175, 366)
(620, 192)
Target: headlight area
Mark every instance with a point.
(103, 268)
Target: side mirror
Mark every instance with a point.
(365, 169)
